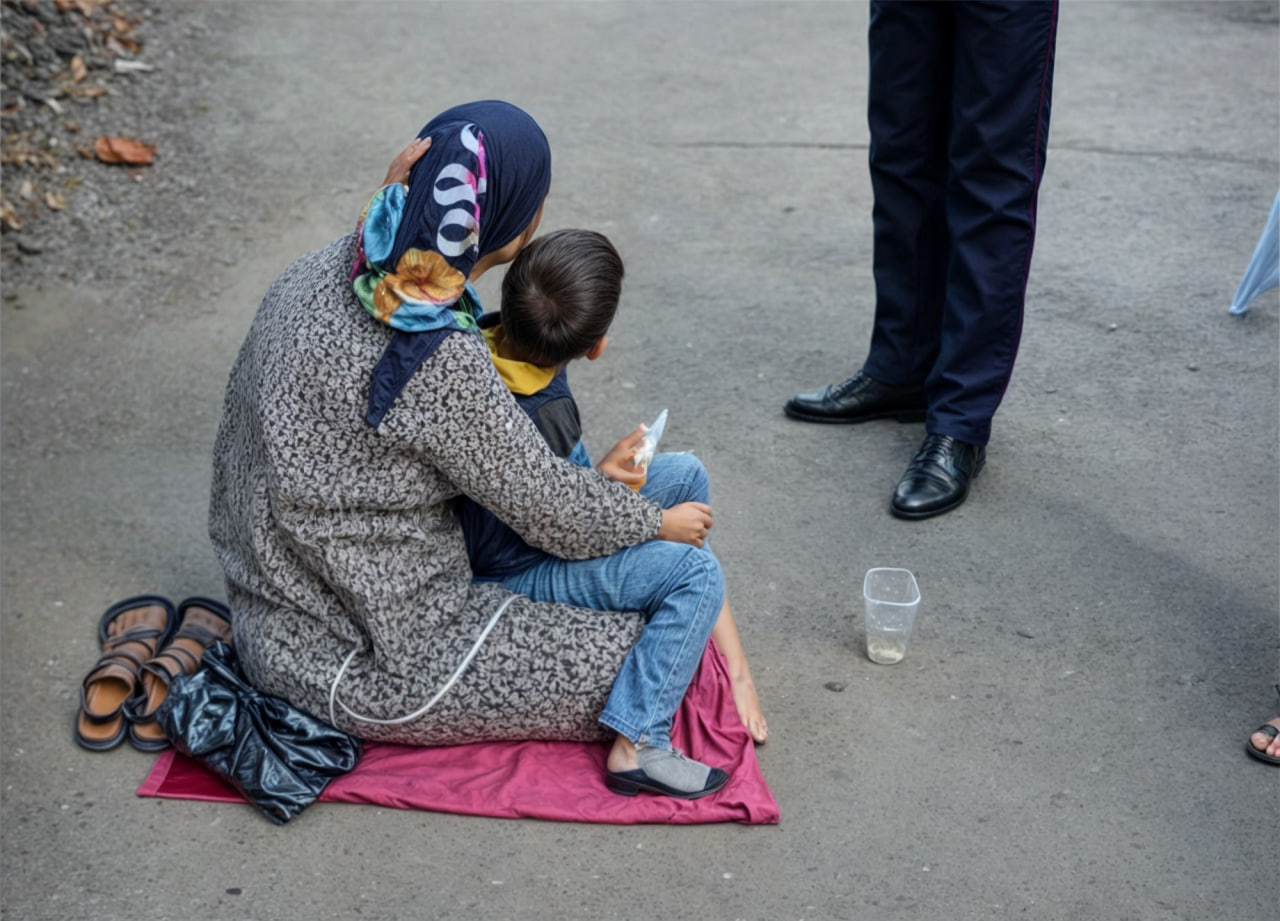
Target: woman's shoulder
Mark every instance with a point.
(320, 269)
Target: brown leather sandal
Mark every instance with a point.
(201, 623)
(129, 631)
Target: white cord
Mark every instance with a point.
(466, 660)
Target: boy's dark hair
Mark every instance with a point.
(559, 296)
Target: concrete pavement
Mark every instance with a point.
(1100, 621)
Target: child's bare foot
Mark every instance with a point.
(748, 704)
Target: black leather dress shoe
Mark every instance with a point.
(937, 479)
(858, 399)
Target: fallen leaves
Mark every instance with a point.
(86, 7)
(86, 90)
(9, 219)
(124, 150)
(26, 150)
(61, 57)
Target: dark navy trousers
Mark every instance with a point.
(958, 111)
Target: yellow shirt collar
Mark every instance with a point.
(521, 377)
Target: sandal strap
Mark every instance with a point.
(1267, 730)
(98, 719)
(115, 659)
(200, 634)
(133, 635)
(109, 668)
(172, 662)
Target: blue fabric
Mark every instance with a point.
(474, 191)
(958, 111)
(1263, 271)
(511, 179)
(382, 221)
(679, 589)
(402, 357)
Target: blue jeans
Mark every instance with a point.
(679, 589)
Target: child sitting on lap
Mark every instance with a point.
(559, 297)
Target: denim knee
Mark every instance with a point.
(681, 477)
(699, 569)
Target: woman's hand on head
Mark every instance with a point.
(617, 464)
(686, 523)
(399, 169)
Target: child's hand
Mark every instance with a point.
(398, 171)
(686, 523)
(617, 464)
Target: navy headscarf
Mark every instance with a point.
(474, 191)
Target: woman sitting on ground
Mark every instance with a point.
(363, 402)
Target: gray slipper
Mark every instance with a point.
(667, 771)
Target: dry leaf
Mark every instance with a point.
(78, 70)
(9, 219)
(124, 150)
(122, 44)
(55, 201)
(85, 152)
(87, 91)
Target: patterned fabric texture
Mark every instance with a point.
(477, 188)
(335, 535)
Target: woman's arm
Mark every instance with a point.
(458, 414)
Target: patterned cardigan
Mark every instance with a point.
(335, 536)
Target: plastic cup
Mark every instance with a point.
(891, 598)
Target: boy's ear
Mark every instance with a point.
(598, 349)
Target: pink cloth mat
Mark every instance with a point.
(556, 781)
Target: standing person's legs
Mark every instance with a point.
(1000, 90)
(1000, 127)
(908, 112)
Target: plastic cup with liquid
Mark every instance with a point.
(891, 599)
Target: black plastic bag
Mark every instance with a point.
(277, 756)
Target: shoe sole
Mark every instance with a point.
(908, 415)
(1260, 755)
(626, 787)
(920, 516)
(99, 745)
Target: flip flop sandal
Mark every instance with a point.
(202, 622)
(129, 632)
(1270, 732)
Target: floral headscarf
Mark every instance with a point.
(472, 193)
